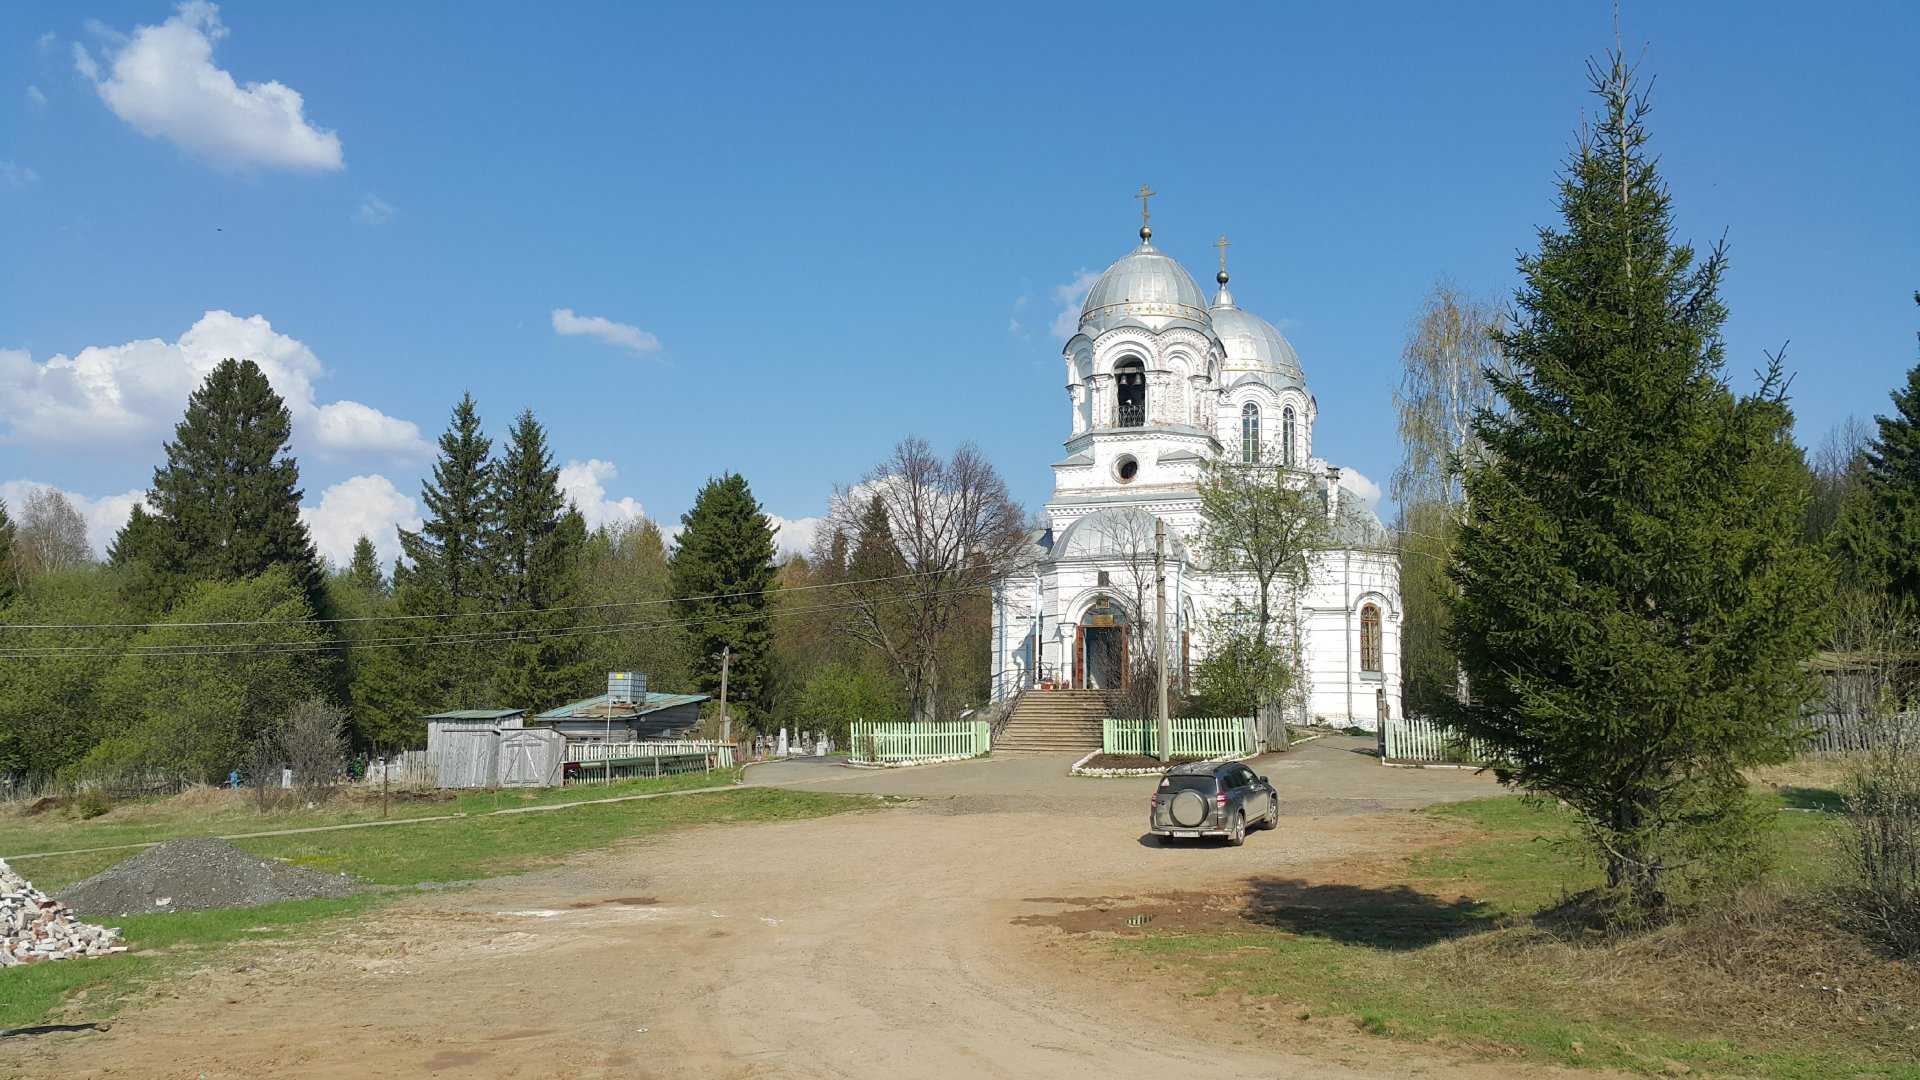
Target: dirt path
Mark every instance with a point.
(876, 944)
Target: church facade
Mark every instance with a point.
(1160, 381)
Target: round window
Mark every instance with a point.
(1125, 469)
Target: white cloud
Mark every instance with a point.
(1357, 482)
(36, 96)
(374, 210)
(585, 484)
(1071, 297)
(104, 515)
(623, 335)
(16, 176)
(359, 506)
(162, 80)
(46, 41)
(793, 536)
(138, 390)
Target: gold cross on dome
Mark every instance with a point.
(1143, 195)
(1223, 246)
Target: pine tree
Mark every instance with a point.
(364, 569)
(723, 573)
(228, 498)
(1636, 601)
(442, 573)
(535, 544)
(445, 556)
(9, 572)
(1876, 543)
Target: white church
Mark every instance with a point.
(1158, 381)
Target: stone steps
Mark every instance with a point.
(1058, 720)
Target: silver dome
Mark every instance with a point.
(1253, 342)
(1145, 288)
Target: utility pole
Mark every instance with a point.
(726, 722)
(1160, 637)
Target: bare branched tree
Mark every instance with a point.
(1443, 385)
(314, 739)
(51, 535)
(950, 530)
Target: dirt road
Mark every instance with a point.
(875, 944)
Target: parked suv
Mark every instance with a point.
(1212, 798)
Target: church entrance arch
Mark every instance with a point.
(1100, 647)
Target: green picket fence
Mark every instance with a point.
(888, 742)
(1193, 736)
(1413, 740)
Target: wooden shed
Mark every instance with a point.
(530, 757)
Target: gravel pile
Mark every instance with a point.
(193, 875)
(34, 927)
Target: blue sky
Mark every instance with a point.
(784, 237)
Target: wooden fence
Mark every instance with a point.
(1413, 740)
(719, 755)
(888, 742)
(1849, 732)
(1193, 737)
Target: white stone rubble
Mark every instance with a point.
(35, 927)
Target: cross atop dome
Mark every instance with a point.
(1146, 229)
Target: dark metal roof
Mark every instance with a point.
(600, 708)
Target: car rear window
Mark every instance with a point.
(1187, 783)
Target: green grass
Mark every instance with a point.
(1451, 957)
(148, 820)
(395, 858)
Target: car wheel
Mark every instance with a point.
(1238, 834)
(1272, 820)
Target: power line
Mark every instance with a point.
(465, 614)
(475, 638)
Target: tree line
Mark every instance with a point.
(212, 618)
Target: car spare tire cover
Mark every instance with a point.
(1189, 809)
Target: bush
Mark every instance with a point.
(91, 804)
(1882, 847)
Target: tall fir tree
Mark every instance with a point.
(445, 555)
(1876, 542)
(1636, 601)
(442, 572)
(227, 501)
(723, 574)
(535, 546)
(363, 571)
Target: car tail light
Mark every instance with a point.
(1220, 799)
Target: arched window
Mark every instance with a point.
(1286, 436)
(1370, 638)
(1249, 433)
(1130, 387)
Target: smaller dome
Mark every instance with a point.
(1252, 342)
(1144, 288)
(1116, 532)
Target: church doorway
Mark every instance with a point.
(1100, 653)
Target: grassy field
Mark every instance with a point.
(1453, 947)
(390, 858)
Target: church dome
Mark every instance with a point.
(1252, 342)
(1144, 288)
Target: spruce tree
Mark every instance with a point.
(723, 573)
(364, 569)
(228, 499)
(1636, 601)
(1876, 543)
(445, 556)
(535, 546)
(442, 573)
